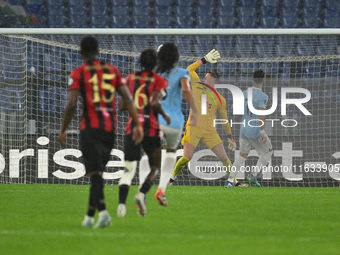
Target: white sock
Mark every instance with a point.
(236, 167)
(102, 213)
(166, 169)
(144, 169)
(262, 161)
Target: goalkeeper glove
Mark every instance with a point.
(231, 143)
(211, 57)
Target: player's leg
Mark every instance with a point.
(144, 168)
(265, 152)
(94, 147)
(132, 154)
(152, 147)
(190, 141)
(173, 138)
(245, 147)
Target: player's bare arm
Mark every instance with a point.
(155, 103)
(190, 99)
(128, 104)
(68, 115)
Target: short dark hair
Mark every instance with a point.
(148, 59)
(215, 75)
(89, 46)
(258, 76)
(168, 56)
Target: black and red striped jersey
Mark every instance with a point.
(141, 86)
(97, 82)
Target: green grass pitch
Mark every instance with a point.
(46, 219)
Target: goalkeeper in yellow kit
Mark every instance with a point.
(204, 130)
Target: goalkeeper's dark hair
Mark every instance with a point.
(258, 76)
(148, 60)
(89, 46)
(215, 75)
(168, 57)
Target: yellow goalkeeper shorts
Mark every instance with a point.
(194, 135)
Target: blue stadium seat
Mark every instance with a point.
(163, 3)
(290, 3)
(268, 11)
(286, 46)
(226, 22)
(11, 99)
(77, 2)
(162, 11)
(327, 45)
(120, 21)
(311, 22)
(120, 11)
(269, 22)
(158, 40)
(285, 75)
(40, 2)
(248, 3)
(119, 3)
(203, 11)
(289, 12)
(98, 10)
(270, 67)
(187, 3)
(290, 22)
(121, 42)
(271, 3)
(53, 60)
(55, 10)
(312, 3)
(56, 21)
(37, 9)
(77, 10)
(205, 3)
(141, 43)
(227, 68)
(244, 51)
(305, 50)
(184, 22)
(73, 60)
(138, 11)
(144, 3)
(163, 22)
(48, 101)
(333, 69)
(331, 22)
(331, 11)
(55, 2)
(205, 22)
(247, 22)
(246, 11)
(15, 2)
(312, 70)
(227, 11)
(99, 21)
(226, 3)
(179, 11)
(247, 68)
(183, 41)
(141, 21)
(311, 12)
(78, 21)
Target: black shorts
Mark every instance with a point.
(96, 146)
(133, 151)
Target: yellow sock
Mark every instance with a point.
(227, 165)
(180, 165)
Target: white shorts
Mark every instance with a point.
(172, 136)
(246, 144)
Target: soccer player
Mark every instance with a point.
(205, 131)
(97, 82)
(178, 85)
(253, 136)
(147, 88)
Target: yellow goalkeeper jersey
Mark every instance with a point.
(206, 121)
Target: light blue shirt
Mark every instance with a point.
(172, 103)
(260, 100)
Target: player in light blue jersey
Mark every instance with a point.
(178, 86)
(252, 134)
